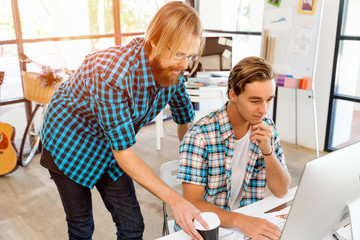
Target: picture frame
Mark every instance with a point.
(307, 7)
(275, 2)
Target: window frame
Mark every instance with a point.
(333, 95)
(19, 41)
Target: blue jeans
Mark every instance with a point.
(119, 198)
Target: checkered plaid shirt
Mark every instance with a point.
(102, 107)
(206, 154)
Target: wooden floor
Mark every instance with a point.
(30, 207)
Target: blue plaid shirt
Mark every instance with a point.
(206, 154)
(102, 107)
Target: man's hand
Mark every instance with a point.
(259, 229)
(262, 134)
(184, 213)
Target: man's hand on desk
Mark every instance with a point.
(184, 214)
(257, 228)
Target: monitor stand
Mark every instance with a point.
(354, 210)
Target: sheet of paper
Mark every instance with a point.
(301, 40)
(222, 41)
(278, 19)
(226, 53)
(229, 42)
(230, 234)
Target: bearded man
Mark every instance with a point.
(92, 120)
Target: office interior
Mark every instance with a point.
(310, 122)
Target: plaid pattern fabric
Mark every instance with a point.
(102, 107)
(206, 153)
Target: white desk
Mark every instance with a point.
(208, 91)
(260, 206)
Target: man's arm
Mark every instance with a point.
(277, 176)
(256, 228)
(184, 212)
(182, 129)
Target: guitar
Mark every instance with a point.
(8, 156)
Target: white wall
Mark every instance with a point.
(324, 64)
(322, 73)
(295, 121)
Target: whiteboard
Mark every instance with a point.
(294, 53)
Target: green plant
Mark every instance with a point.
(50, 77)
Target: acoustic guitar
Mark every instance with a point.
(8, 156)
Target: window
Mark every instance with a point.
(243, 20)
(48, 18)
(60, 34)
(343, 126)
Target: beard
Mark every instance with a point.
(164, 76)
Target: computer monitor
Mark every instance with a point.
(329, 187)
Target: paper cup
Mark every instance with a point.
(214, 223)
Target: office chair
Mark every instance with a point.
(168, 172)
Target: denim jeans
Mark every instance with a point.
(119, 198)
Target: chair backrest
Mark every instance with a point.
(206, 95)
(168, 172)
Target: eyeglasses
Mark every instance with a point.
(180, 56)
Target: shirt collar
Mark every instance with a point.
(144, 65)
(224, 121)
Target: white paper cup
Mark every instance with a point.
(214, 223)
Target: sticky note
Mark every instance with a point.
(280, 79)
(226, 53)
(290, 82)
(305, 83)
(222, 41)
(229, 42)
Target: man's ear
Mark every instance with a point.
(153, 45)
(232, 95)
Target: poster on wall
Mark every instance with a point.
(275, 2)
(307, 6)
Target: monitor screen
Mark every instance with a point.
(328, 184)
(217, 54)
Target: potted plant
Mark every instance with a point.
(40, 87)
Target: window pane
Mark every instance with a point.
(232, 15)
(7, 29)
(9, 62)
(48, 18)
(136, 14)
(69, 54)
(346, 128)
(244, 46)
(348, 69)
(351, 18)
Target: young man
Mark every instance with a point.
(228, 156)
(92, 120)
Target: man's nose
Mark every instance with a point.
(184, 63)
(263, 108)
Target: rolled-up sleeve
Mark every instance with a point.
(193, 166)
(111, 106)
